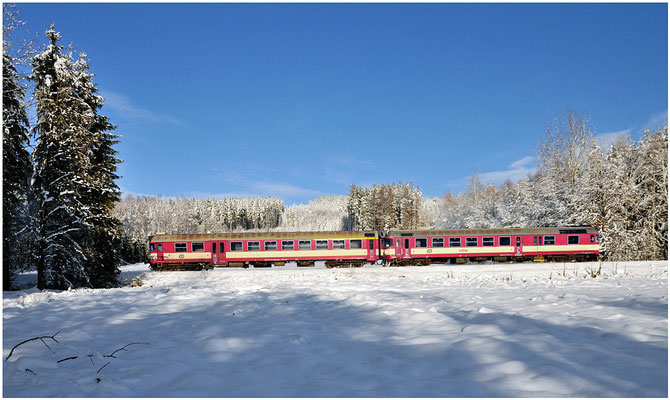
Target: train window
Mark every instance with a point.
(534, 240)
(270, 246)
(540, 239)
(151, 247)
(573, 239)
(549, 240)
(236, 246)
(386, 243)
(304, 245)
(287, 244)
(180, 248)
(471, 241)
(487, 241)
(322, 245)
(420, 242)
(593, 239)
(438, 242)
(198, 246)
(397, 243)
(371, 244)
(504, 241)
(356, 244)
(253, 246)
(407, 243)
(338, 244)
(454, 242)
(214, 248)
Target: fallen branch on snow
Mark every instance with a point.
(41, 338)
(123, 348)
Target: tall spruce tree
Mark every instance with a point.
(17, 169)
(62, 162)
(104, 239)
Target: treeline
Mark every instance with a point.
(363, 208)
(387, 206)
(622, 190)
(57, 199)
(142, 216)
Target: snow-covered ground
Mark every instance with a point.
(482, 330)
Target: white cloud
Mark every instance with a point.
(133, 113)
(606, 139)
(517, 170)
(656, 121)
(522, 162)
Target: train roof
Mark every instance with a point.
(559, 230)
(265, 236)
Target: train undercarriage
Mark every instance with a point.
(399, 262)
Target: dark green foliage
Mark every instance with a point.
(133, 249)
(103, 239)
(17, 169)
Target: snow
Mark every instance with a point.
(472, 330)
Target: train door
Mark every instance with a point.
(159, 251)
(398, 248)
(215, 256)
(406, 247)
(222, 253)
(519, 247)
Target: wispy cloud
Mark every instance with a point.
(517, 170)
(605, 140)
(656, 121)
(126, 109)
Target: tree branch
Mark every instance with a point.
(52, 337)
(123, 348)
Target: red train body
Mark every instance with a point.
(518, 244)
(353, 249)
(337, 249)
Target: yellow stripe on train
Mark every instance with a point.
(270, 254)
(460, 250)
(186, 256)
(296, 253)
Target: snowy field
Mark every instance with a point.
(473, 330)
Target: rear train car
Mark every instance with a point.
(505, 244)
(195, 252)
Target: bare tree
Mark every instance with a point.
(565, 151)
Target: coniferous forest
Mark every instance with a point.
(63, 213)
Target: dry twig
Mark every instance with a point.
(102, 367)
(123, 348)
(41, 338)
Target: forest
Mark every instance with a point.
(64, 214)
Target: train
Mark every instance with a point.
(356, 248)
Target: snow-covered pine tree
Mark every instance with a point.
(17, 169)
(62, 162)
(103, 239)
(650, 175)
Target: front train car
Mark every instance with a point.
(265, 249)
(505, 244)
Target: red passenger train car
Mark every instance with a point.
(337, 249)
(507, 244)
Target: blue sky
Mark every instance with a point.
(301, 100)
